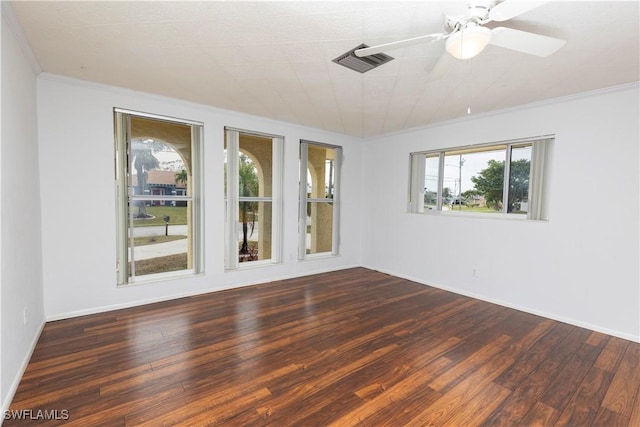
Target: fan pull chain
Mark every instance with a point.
(468, 85)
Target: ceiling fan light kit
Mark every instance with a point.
(469, 42)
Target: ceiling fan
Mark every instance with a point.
(466, 36)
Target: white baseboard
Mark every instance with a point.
(18, 377)
(574, 322)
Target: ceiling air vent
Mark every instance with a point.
(364, 64)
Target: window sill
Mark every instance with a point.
(476, 215)
(161, 277)
(251, 264)
(319, 255)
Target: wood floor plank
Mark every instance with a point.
(344, 348)
(530, 360)
(471, 363)
(339, 399)
(279, 406)
(597, 339)
(584, 406)
(532, 388)
(400, 391)
(540, 415)
(612, 354)
(607, 417)
(489, 398)
(621, 395)
(634, 420)
(400, 413)
(455, 401)
(562, 387)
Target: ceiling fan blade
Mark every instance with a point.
(523, 41)
(366, 51)
(511, 8)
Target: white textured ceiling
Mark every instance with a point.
(273, 59)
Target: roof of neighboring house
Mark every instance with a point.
(159, 177)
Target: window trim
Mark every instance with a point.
(122, 123)
(540, 149)
(169, 119)
(303, 200)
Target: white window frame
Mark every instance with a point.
(304, 199)
(125, 197)
(232, 199)
(540, 154)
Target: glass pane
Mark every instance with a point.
(162, 240)
(321, 172)
(473, 181)
(248, 182)
(160, 165)
(255, 166)
(225, 169)
(160, 157)
(254, 231)
(431, 172)
(319, 229)
(519, 172)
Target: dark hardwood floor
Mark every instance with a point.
(353, 347)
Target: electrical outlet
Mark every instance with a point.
(24, 316)
(475, 272)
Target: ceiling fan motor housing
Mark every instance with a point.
(479, 9)
(477, 13)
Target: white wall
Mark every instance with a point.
(21, 277)
(78, 200)
(582, 266)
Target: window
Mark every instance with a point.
(253, 189)
(319, 199)
(158, 197)
(502, 178)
